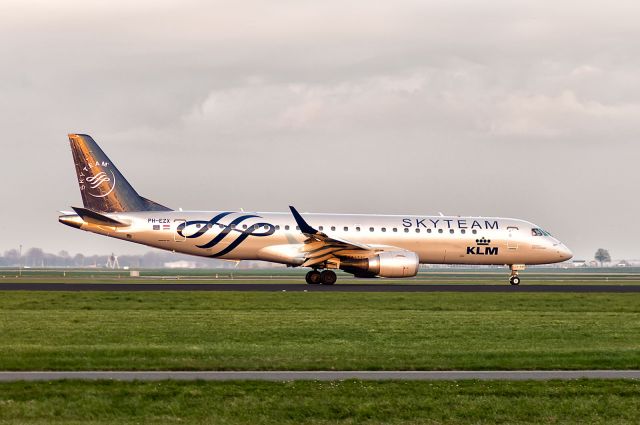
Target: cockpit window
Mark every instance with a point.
(540, 232)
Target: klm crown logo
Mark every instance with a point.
(482, 241)
(482, 248)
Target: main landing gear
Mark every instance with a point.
(514, 279)
(326, 277)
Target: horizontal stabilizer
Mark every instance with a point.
(97, 218)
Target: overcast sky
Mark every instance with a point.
(527, 109)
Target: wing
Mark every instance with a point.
(319, 247)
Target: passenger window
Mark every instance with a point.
(209, 225)
(384, 229)
(333, 228)
(233, 226)
(439, 230)
(198, 225)
(320, 228)
(277, 227)
(244, 226)
(357, 229)
(417, 230)
(395, 229)
(297, 227)
(286, 227)
(463, 231)
(428, 230)
(346, 229)
(451, 231)
(474, 231)
(371, 229)
(406, 230)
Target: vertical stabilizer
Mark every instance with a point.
(102, 186)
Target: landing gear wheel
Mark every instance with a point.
(313, 277)
(514, 280)
(328, 277)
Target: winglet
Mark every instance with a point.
(303, 225)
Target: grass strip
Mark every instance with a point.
(306, 402)
(318, 331)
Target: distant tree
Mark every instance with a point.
(602, 256)
(12, 257)
(78, 260)
(62, 259)
(35, 257)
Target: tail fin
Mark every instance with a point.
(102, 186)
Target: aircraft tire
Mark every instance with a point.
(313, 277)
(514, 280)
(328, 277)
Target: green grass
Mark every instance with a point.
(348, 402)
(317, 331)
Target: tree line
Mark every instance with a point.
(37, 257)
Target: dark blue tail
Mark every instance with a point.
(102, 186)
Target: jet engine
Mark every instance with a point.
(383, 264)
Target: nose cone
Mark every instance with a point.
(564, 252)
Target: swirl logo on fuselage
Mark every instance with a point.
(226, 230)
(97, 182)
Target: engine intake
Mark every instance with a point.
(384, 264)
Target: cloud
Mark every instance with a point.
(411, 106)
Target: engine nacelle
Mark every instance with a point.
(384, 264)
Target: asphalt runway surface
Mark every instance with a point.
(295, 287)
(277, 376)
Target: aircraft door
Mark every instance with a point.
(512, 241)
(176, 236)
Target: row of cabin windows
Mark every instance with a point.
(346, 228)
(244, 226)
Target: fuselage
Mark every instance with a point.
(275, 237)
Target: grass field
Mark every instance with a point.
(317, 331)
(349, 402)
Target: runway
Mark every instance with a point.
(278, 376)
(295, 287)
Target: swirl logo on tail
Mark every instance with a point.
(100, 184)
(98, 179)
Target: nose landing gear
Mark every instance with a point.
(514, 279)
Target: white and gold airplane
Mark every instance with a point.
(363, 245)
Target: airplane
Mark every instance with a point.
(366, 246)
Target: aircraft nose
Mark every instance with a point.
(564, 252)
